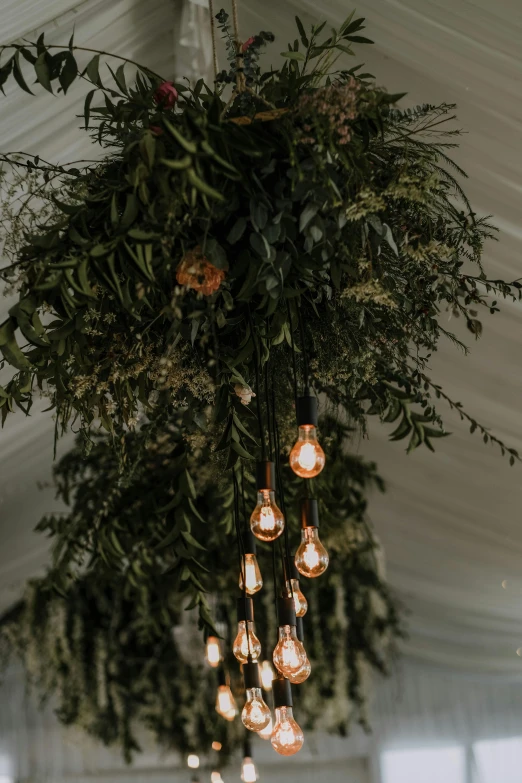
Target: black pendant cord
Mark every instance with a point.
(286, 558)
(294, 365)
(274, 574)
(257, 362)
(269, 414)
(243, 494)
(303, 349)
(242, 555)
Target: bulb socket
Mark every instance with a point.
(309, 513)
(247, 748)
(294, 573)
(282, 692)
(307, 409)
(222, 679)
(251, 676)
(299, 629)
(249, 542)
(245, 609)
(286, 611)
(265, 476)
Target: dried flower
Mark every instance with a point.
(196, 271)
(244, 393)
(248, 44)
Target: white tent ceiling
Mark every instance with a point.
(450, 521)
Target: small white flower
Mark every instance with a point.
(244, 393)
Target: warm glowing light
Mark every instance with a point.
(300, 602)
(287, 737)
(256, 714)
(253, 578)
(213, 651)
(248, 771)
(267, 521)
(302, 675)
(225, 703)
(266, 733)
(311, 558)
(246, 644)
(307, 457)
(193, 761)
(215, 777)
(216, 745)
(289, 654)
(267, 675)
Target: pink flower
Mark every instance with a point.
(248, 44)
(156, 130)
(166, 95)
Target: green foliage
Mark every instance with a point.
(130, 557)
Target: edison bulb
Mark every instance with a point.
(307, 457)
(213, 651)
(300, 602)
(267, 521)
(215, 777)
(267, 675)
(225, 703)
(287, 737)
(256, 714)
(246, 644)
(248, 771)
(302, 675)
(266, 733)
(311, 558)
(253, 578)
(289, 654)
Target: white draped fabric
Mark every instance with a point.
(450, 522)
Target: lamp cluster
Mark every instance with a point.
(292, 667)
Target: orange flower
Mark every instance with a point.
(195, 271)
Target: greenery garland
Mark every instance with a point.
(303, 229)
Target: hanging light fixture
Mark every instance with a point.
(267, 675)
(305, 671)
(225, 703)
(289, 654)
(287, 736)
(248, 768)
(267, 521)
(213, 651)
(293, 587)
(246, 642)
(307, 458)
(311, 558)
(250, 567)
(256, 714)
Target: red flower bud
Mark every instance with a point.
(166, 95)
(248, 44)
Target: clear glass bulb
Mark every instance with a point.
(267, 675)
(213, 651)
(307, 457)
(287, 737)
(266, 733)
(300, 602)
(267, 521)
(302, 675)
(311, 558)
(225, 703)
(246, 644)
(256, 714)
(289, 654)
(248, 771)
(253, 578)
(215, 777)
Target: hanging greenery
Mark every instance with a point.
(104, 632)
(306, 191)
(282, 226)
